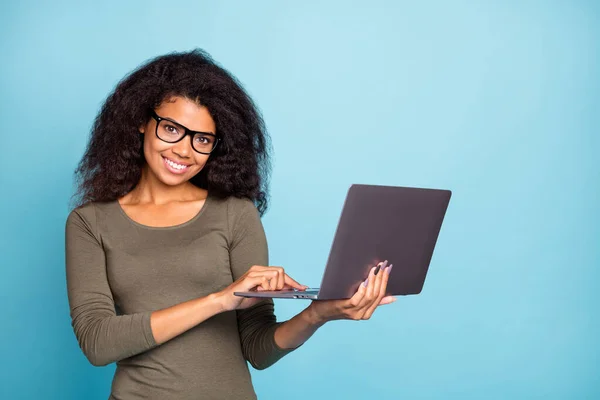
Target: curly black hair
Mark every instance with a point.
(112, 164)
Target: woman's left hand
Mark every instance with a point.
(370, 294)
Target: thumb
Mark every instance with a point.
(387, 300)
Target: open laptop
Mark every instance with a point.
(398, 224)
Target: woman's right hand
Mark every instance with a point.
(259, 278)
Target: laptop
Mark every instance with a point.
(377, 223)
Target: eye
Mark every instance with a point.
(200, 139)
(171, 129)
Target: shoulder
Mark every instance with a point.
(239, 213)
(86, 212)
(92, 214)
(233, 207)
(83, 218)
(240, 206)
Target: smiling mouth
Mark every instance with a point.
(175, 167)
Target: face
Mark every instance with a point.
(176, 163)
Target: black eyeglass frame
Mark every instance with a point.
(189, 132)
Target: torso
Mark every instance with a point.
(171, 214)
(143, 268)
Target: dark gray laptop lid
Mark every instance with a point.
(398, 224)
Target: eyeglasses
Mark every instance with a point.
(170, 131)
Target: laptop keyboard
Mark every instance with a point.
(308, 291)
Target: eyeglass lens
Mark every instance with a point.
(171, 132)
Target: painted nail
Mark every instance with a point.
(366, 282)
(381, 266)
(389, 269)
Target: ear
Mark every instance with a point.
(142, 129)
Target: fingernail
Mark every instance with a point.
(389, 269)
(366, 282)
(381, 266)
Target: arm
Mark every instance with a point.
(299, 329)
(264, 340)
(361, 306)
(104, 336)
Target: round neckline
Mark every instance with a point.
(164, 228)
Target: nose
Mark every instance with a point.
(183, 148)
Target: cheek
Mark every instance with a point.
(201, 161)
(153, 146)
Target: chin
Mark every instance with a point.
(173, 181)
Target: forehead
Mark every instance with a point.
(188, 113)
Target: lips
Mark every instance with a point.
(175, 167)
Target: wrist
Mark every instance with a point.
(217, 299)
(312, 317)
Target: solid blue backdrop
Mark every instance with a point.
(497, 101)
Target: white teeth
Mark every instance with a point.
(176, 166)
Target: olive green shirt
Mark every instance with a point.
(119, 271)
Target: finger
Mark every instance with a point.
(276, 277)
(267, 283)
(360, 308)
(269, 273)
(273, 272)
(379, 274)
(356, 300)
(374, 298)
(293, 283)
(385, 280)
(365, 301)
(387, 300)
(384, 274)
(253, 283)
(257, 268)
(381, 265)
(272, 281)
(280, 278)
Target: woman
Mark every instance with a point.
(171, 189)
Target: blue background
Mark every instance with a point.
(498, 101)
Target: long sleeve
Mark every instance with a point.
(103, 336)
(256, 324)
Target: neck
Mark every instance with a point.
(151, 190)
